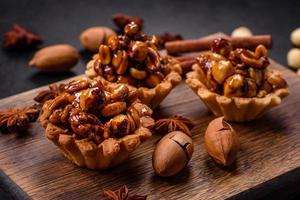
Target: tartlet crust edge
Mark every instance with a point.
(234, 109)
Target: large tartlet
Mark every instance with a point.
(133, 58)
(96, 126)
(237, 84)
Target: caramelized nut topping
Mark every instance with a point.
(131, 58)
(239, 72)
(95, 111)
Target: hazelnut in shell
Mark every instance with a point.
(221, 142)
(295, 37)
(241, 31)
(172, 153)
(293, 58)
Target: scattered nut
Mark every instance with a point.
(172, 153)
(293, 58)
(295, 37)
(221, 142)
(241, 31)
(55, 58)
(93, 37)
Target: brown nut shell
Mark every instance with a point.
(93, 37)
(172, 153)
(221, 142)
(55, 58)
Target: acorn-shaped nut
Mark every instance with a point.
(172, 153)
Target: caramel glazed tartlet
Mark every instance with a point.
(95, 125)
(237, 84)
(133, 58)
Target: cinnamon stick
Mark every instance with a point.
(186, 62)
(184, 46)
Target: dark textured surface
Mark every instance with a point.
(62, 21)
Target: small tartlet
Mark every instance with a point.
(238, 84)
(133, 58)
(96, 126)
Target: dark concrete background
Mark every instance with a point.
(60, 21)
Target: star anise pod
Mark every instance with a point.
(176, 123)
(122, 194)
(53, 91)
(121, 20)
(20, 38)
(16, 119)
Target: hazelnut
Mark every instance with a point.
(295, 37)
(239, 86)
(172, 153)
(138, 51)
(221, 142)
(241, 31)
(293, 58)
(222, 70)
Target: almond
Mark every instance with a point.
(55, 58)
(93, 37)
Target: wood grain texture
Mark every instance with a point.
(270, 148)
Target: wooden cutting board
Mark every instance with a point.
(268, 161)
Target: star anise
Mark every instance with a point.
(20, 38)
(176, 123)
(122, 194)
(16, 119)
(53, 91)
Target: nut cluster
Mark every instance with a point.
(131, 58)
(239, 72)
(92, 110)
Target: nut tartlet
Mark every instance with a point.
(133, 58)
(96, 126)
(237, 84)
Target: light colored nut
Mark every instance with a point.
(137, 74)
(295, 37)
(293, 58)
(55, 58)
(298, 72)
(241, 31)
(93, 37)
(113, 109)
